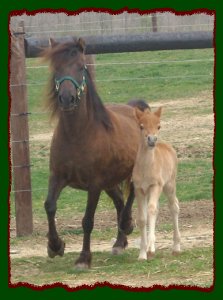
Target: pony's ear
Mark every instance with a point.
(81, 44)
(53, 43)
(158, 112)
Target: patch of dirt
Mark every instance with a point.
(188, 124)
(196, 224)
(41, 136)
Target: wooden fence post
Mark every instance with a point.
(20, 135)
(154, 23)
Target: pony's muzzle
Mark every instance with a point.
(151, 140)
(67, 102)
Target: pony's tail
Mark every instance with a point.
(140, 104)
(126, 223)
(125, 186)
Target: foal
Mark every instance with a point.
(154, 171)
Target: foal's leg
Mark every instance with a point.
(142, 223)
(116, 195)
(153, 203)
(170, 192)
(55, 244)
(84, 260)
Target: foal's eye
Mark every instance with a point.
(159, 127)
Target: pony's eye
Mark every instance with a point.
(159, 127)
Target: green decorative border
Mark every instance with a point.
(15, 7)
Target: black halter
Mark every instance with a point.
(79, 87)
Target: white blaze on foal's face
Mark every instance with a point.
(149, 123)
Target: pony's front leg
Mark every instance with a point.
(55, 244)
(142, 223)
(84, 260)
(153, 202)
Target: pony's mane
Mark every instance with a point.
(58, 56)
(95, 105)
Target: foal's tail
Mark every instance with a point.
(139, 103)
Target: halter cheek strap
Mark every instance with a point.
(79, 87)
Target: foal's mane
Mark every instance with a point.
(57, 56)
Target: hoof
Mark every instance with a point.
(176, 253)
(82, 266)
(120, 245)
(117, 250)
(142, 258)
(52, 253)
(150, 255)
(84, 261)
(142, 255)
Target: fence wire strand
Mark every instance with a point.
(136, 63)
(141, 28)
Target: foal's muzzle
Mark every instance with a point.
(151, 140)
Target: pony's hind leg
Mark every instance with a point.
(55, 244)
(121, 242)
(84, 260)
(126, 224)
(170, 192)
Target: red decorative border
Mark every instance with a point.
(105, 283)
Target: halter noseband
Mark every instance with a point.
(79, 87)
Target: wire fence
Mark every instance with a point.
(118, 29)
(92, 23)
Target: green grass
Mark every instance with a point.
(106, 267)
(158, 86)
(195, 178)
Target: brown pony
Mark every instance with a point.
(154, 171)
(93, 146)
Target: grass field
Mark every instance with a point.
(180, 81)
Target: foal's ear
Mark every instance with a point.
(138, 113)
(53, 43)
(81, 44)
(158, 112)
